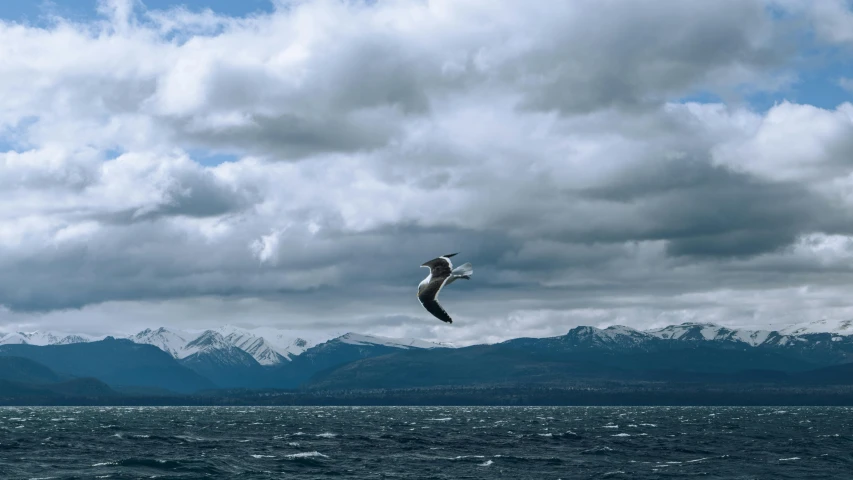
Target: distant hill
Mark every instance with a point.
(25, 379)
(80, 391)
(24, 370)
(833, 375)
(115, 362)
(340, 351)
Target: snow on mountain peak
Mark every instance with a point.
(42, 338)
(207, 341)
(841, 327)
(710, 332)
(75, 338)
(613, 335)
(620, 330)
(32, 338)
(171, 342)
(691, 331)
(270, 346)
(256, 346)
(267, 346)
(212, 346)
(359, 339)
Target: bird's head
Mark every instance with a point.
(432, 262)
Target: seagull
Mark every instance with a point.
(441, 273)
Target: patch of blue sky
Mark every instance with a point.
(39, 12)
(113, 153)
(211, 158)
(819, 81)
(755, 100)
(13, 138)
(231, 8)
(6, 145)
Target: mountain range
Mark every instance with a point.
(167, 361)
(225, 357)
(267, 346)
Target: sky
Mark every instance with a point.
(290, 164)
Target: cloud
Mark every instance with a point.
(550, 144)
(339, 77)
(796, 142)
(266, 248)
(832, 19)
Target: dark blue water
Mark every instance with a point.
(428, 442)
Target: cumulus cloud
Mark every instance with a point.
(832, 19)
(549, 143)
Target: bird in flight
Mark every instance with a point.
(441, 273)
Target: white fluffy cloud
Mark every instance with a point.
(547, 142)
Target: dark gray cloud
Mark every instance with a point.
(290, 137)
(707, 210)
(192, 194)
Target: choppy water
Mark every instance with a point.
(428, 442)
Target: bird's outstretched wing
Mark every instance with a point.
(429, 298)
(434, 308)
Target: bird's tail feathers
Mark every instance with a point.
(463, 271)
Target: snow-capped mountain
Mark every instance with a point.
(76, 338)
(710, 332)
(271, 347)
(172, 342)
(614, 336)
(212, 347)
(257, 347)
(822, 348)
(809, 335)
(43, 338)
(232, 357)
(208, 341)
(357, 339)
(292, 346)
(266, 350)
(840, 327)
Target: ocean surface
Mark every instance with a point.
(425, 442)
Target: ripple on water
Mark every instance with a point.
(542, 442)
(314, 454)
